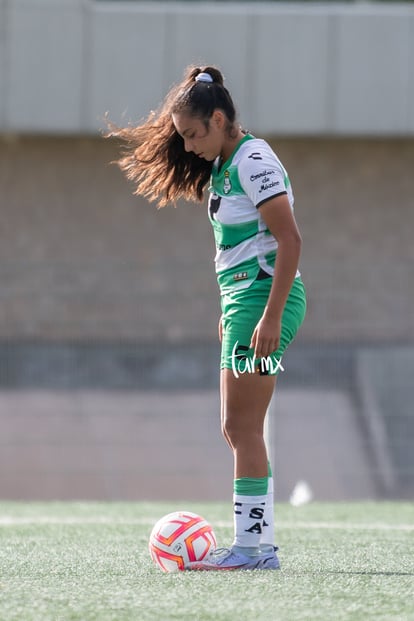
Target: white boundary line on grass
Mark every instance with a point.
(105, 521)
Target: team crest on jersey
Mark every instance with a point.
(227, 182)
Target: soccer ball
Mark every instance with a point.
(179, 538)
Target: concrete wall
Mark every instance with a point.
(108, 314)
(101, 445)
(301, 69)
(81, 258)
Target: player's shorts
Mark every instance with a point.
(242, 311)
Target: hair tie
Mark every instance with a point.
(204, 77)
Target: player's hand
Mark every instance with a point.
(266, 337)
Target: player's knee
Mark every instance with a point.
(225, 433)
(235, 432)
(229, 429)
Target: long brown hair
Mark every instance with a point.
(153, 156)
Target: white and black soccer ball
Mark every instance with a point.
(179, 538)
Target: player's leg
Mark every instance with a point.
(246, 400)
(222, 392)
(244, 405)
(245, 397)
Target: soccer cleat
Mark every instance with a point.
(228, 559)
(273, 561)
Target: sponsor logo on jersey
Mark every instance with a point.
(263, 173)
(264, 177)
(267, 186)
(255, 156)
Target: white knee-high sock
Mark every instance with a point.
(249, 507)
(248, 521)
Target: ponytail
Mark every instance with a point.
(153, 156)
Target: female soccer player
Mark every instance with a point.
(192, 141)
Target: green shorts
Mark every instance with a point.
(242, 311)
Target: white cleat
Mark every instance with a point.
(228, 559)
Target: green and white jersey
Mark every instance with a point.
(245, 247)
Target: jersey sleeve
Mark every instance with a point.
(261, 174)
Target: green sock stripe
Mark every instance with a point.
(251, 487)
(269, 470)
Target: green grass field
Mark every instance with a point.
(89, 561)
